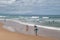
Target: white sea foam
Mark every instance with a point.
(43, 30)
(47, 27)
(35, 17)
(45, 17)
(2, 16)
(9, 28)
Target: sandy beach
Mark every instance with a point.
(7, 35)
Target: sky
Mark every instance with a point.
(37, 7)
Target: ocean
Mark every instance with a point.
(45, 20)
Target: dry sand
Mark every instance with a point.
(7, 35)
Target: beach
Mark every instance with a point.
(16, 27)
(29, 19)
(8, 35)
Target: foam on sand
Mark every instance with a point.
(9, 28)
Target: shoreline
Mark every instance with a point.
(7, 35)
(20, 27)
(47, 27)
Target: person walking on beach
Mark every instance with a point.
(27, 27)
(35, 29)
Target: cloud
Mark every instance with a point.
(11, 1)
(29, 6)
(7, 1)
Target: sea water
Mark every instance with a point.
(45, 20)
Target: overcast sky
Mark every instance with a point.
(42, 7)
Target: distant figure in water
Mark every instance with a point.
(35, 29)
(27, 27)
(53, 21)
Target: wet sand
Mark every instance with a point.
(7, 35)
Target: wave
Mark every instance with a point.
(35, 17)
(2, 16)
(50, 27)
(45, 17)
